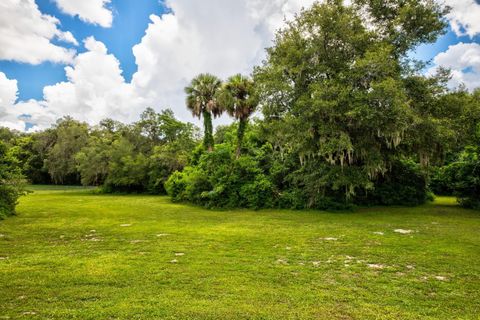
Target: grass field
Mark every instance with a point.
(73, 254)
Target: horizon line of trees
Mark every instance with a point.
(348, 120)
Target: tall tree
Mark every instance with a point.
(202, 103)
(71, 137)
(334, 82)
(239, 99)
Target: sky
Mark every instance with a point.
(96, 59)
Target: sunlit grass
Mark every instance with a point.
(72, 254)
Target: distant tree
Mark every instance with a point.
(71, 137)
(110, 125)
(138, 157)
(29, 158)
(127, 168)
(163, 127)
(201, 101)
(150, 125)
(7, 135)
(93, 160)
(238, 97)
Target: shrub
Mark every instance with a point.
(465, 175)
(263, 177)
(11, 184)
(441, 182)
(404, 184)
(219, 180)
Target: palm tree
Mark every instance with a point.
(201, 101)
(239, 99)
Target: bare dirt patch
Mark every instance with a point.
(403, 231)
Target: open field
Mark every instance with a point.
(72, 254)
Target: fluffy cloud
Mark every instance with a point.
(12, 114)
(95, 88)
(26, 34)
(463, 60)
(464, 16)
(8, 96)
(216, 36)
(90, 11)
(8, 92)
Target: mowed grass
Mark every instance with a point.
(73, 254)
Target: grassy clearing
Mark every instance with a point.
(76, 255)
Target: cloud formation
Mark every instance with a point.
(26, 34)
(13, 114)
(464, 17)
(216, 36)
(95, 88)
(8, 96)
(90, 11)
(463, 59)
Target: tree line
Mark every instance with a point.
(347, 119)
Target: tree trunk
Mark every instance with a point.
(208, 128)
(242, 125)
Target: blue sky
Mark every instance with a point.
(427, 52)
(93, 59)
(129, 24)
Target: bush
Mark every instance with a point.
(9, 194)
(265, 178)
(441, 182)
(404, 184)
(465, 177)
(219, 180)
(11, 184)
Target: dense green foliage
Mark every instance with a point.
(11, 183)
(70, 137)
(462, 177)
(465, 175)
(347, 119)
(405, 183)
(121, 158)
(220, 179)
(261, 178)
(458, 174)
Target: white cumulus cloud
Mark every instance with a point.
(463, 59)
(217, 36)
(464, 17)
(13, 114)
(95, 88)
(90, 11)
(8, 97)
(26, 34)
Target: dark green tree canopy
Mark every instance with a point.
(336, 82)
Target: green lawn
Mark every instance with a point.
(73, 254)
